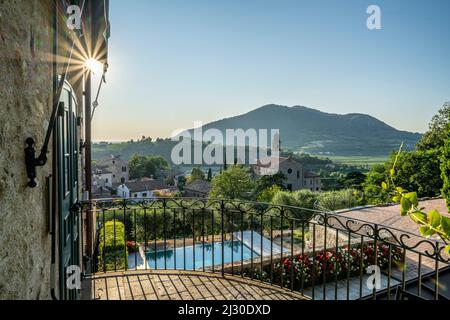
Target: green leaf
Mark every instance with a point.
(412, 197)
(418, 217)
(384, 185)
(434, 218)
(445, 223)
(447, 249)
(396, 199)
(405, 206)
(399, 189)
(426, 231)
(392, 172)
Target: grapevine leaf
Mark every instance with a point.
(418, 217)
(405, 206)
(434, 218)
(426, 231)
(412, 197)
(447, 249)
(445, 223)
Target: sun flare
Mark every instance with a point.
(94, 66)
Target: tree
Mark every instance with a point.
(434, 138)
(196, 174)
(419, 171)
(431, 223)
(267, 195)
(209, 178)
(445, 168)
(354, 179)
(181, 183)
(233, 183)
(415, 170)
(373, 191)
(142, 166)
(266, 182)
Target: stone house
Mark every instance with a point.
(197, 189)
(297, 177)
(42, 79)
(102, 181)
(117, 167)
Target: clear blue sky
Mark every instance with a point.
(179, 61)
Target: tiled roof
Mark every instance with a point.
(267, 162)
(199, 186)
(390, 215)
(310, 174)
(146, 185)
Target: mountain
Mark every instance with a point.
(309, 130)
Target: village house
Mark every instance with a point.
(117, 167)
(297, 177)
(197, 189)
(141, 189)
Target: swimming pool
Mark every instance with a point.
(183, 257)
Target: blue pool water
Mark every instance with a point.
(184, 256)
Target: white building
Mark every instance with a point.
(141, 189)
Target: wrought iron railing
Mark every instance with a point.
(321, 254)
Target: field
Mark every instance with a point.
(359, 160)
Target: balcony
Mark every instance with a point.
(190, 249)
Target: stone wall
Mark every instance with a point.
(25, 104)
(26, 38)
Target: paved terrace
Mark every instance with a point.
(181, 285)
(390, 216)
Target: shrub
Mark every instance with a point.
(337, 200)
(132, 247)
(284, 198)
(445, 170)
(112, 253)
(305, 198)
(309, 268)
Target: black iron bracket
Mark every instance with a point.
(32, 162)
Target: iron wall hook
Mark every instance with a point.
(32, 162)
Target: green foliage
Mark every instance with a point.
(181, 183)
(354, 179)
(415, 170)
(445, 168)
(196, 174)
(431, 223)
(146, 166)
(112, 252)
(436, 135)
(233, 183)
(337, 200)
(331, 200)
(210, 175)
(266, 182)
(419, 171)
(267, 195)
(305, 198)
(373, 190)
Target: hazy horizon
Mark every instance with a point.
(174, 63)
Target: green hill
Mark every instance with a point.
(312, 131)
